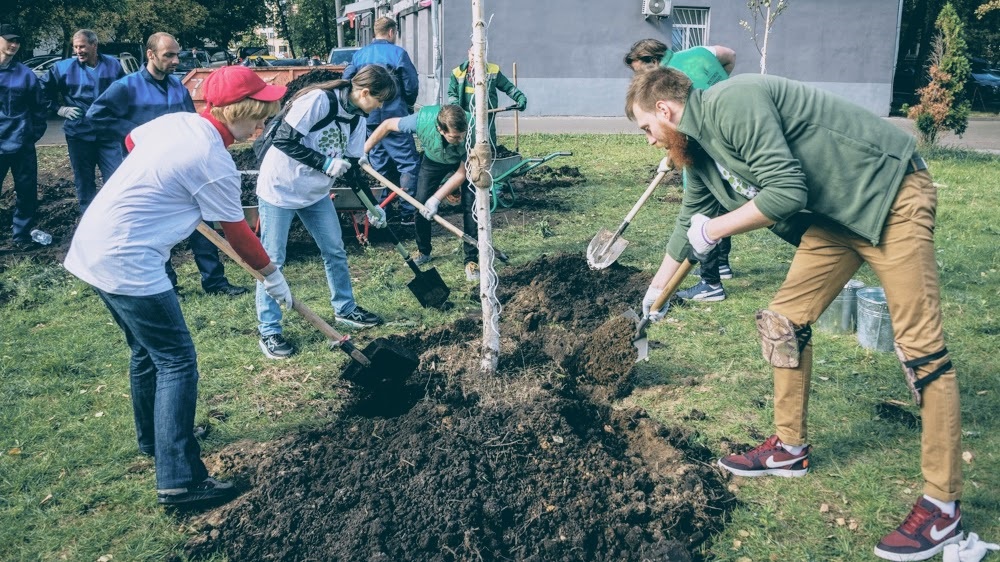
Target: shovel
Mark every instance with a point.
(380, 361)
(639, 340)
(605, 248)
(409, 199)
(427, 286)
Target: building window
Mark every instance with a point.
(690, 27)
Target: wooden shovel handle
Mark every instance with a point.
(645, 196)
(298, 305)
(675, 281)
(411, 200)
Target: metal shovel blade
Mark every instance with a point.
(604, 249)
(639, 339)
(429, 289)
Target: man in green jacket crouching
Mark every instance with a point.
(758, 150)
(442, 131)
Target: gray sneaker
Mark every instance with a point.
(421, 259)
(360, 318)
(703, 292)
(276, 347)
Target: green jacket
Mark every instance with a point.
(804, 148)
(434, 145)
(461, 91)
(697, 63)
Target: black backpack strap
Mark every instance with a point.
(333, 115)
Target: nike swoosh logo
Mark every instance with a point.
(771, 463)
(937, 535)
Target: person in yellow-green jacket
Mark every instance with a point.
(705, 66)
(442, 131)
(461, 90)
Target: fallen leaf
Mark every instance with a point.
(550, 508)
(823, 508)
(841, 521)
(737, 544)
(105, 558)
(824, 378)
(607, 429)
(44, 501)
(744, 533)
(99, 415)
(852, 525)
(557, 439)
(14, 451)
(100, 387)
(982, 393)
(967, 457)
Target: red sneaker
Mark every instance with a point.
(924, 533)
(768, 458)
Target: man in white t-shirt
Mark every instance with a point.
(177, 174)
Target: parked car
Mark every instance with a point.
(129, 63)
(41, 64)
(341, 56)
(984, 82)
(219, 58)
(243, 53)
(189, 62)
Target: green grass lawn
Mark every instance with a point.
(73, 487)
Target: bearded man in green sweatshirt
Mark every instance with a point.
(761, 149)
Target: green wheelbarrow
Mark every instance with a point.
(505, 169)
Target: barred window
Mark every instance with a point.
(690, 28)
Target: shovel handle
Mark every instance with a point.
(299, 306)
(412, 201)
(682, 270)
(642, 201)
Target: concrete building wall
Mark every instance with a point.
(569, 52)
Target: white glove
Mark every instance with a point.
(277, 288)
(653, 293)
(377, 219)
(665, 165)
(69, 112)
(970, 550)
(363, 161)
(336, 167)
(430, 208)
(701, 244)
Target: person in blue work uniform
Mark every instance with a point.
(22, 123)
(71, 85)
(139, 98)
(397, 149)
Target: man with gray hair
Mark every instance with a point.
(71, 85)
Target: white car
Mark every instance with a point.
(41, 64)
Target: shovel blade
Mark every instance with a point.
(639, 339)
(430, 289)
(604, 249)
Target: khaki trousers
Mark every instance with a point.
(905, 264)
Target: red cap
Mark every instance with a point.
(230, 84)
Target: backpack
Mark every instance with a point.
(266, 138)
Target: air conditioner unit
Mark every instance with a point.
(659, 8)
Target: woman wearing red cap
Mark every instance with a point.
(322, 126)
(178, 173)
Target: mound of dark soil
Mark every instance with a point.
(529, 464)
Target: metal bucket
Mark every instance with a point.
(841, 317)
(874, 324)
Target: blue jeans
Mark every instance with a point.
(163, 373)
(320, 219)
(23, 165)
(84, 157)
(398, 149)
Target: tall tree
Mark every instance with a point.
(142, 18)
(311, 26)
(228, 20)
(943, 105)
(762, 15)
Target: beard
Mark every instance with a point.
(677, 146)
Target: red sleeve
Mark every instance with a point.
(129, 143)
(246, 244)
